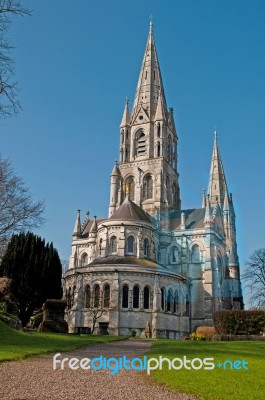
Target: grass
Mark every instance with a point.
(216, 384)
(17, 345)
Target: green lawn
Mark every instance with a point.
(216, 384)
(17, 345)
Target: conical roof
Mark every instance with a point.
(129, 211)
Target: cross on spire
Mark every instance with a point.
(151, 23)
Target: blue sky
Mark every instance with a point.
(77, 61)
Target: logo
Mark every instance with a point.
(144, 364)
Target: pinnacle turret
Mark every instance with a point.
(160, 111)
(116, 170)
(208, 214)
(77, 227)
(126, 115)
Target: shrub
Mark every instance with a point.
(197, 336)
(239, 322)
(207, 331)
(133, 332)
(36, 319)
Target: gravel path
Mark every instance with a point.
(34, 378)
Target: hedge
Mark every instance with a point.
(239, 322)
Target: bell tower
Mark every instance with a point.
(148, 142)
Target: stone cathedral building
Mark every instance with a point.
(151, 265)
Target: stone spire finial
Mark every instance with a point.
(215, 135)
(204, 198)
(160, 110)
(126, 115)
(77, 227)
(183, 221)
(94, 226)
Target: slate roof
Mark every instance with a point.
(129, 211)
(87, 227)
(129, 260)
(193, 218)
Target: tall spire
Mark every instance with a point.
(217, 182)
(150, 80)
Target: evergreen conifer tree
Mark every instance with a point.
(36, 271)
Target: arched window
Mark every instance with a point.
(168, 189)
(148, 187)
(146, 298)
(122, 136)
(140, 144)
(100, 246)
(87, 296)
(136, 295)
(69, 298)
(73, 296)
(158, 130)
(169, 149)
(126, 155)
(158, 149)
(195, 253)
(163, 299)
(131, 245)
(219, 269)
(187, 311)
(106, 296)
(125, 296)
(96, 296)
(130, 187)
(122, 154)
(84, 259)
(146, 248)
(113, 244)
(176, 302)
(174, 195)
(174, 255)
(219, 263)
(169, 299)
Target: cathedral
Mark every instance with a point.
(153, 268)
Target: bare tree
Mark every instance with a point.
(9, 103)
(18, 211)
(254, 277)
(96, 314)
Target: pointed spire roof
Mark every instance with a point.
(126, 115)
(77, 227)
(160, 111)
(226, 206)
(150, 81)
(94, 226)
(217, 182)
(208, 215)
(116, 170)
